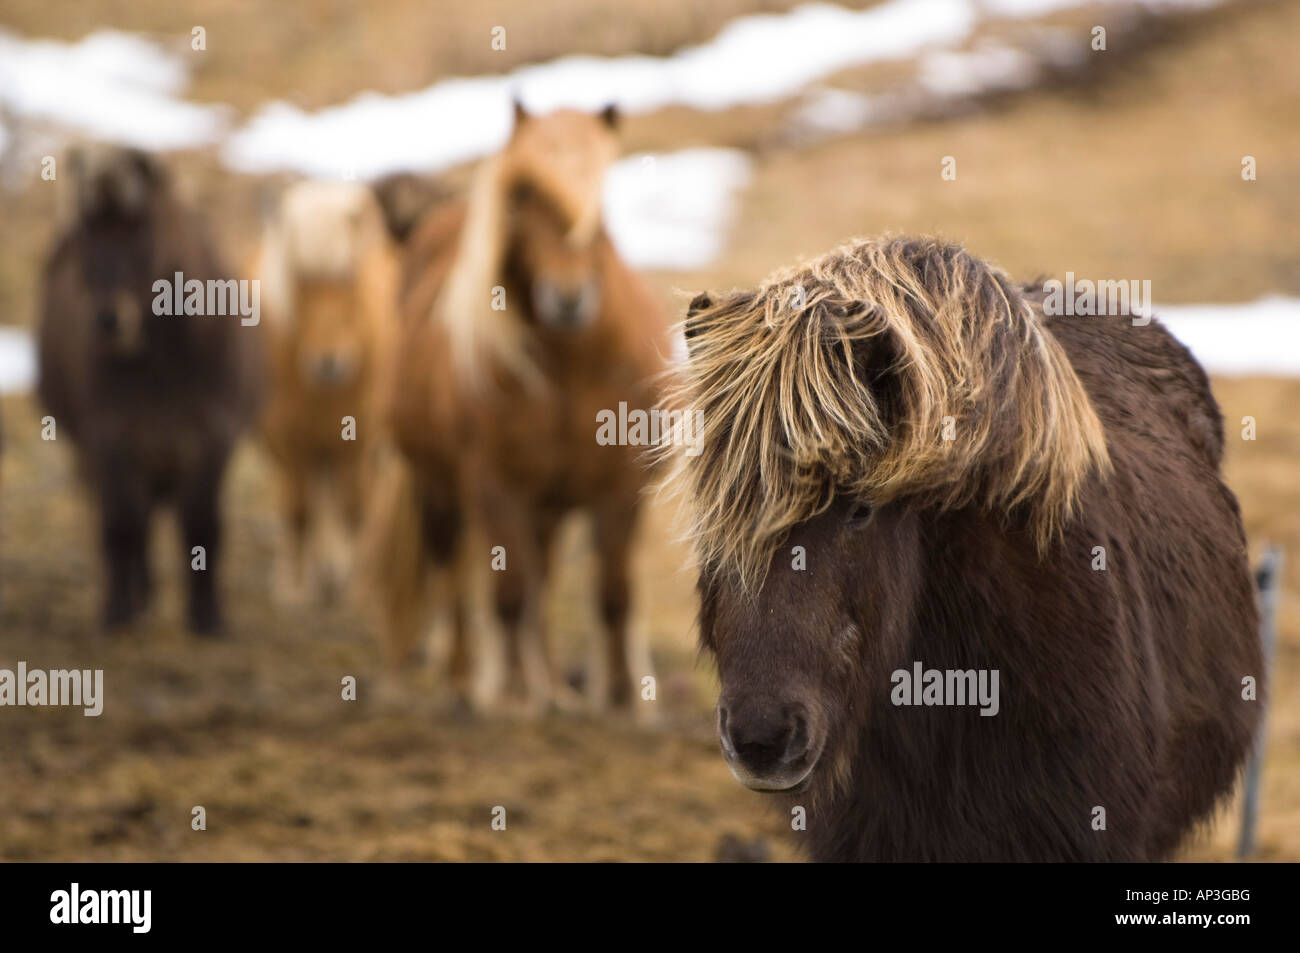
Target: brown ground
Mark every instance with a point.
(1134, 171)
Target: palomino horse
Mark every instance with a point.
(974, 585)
(329, 280)
(520, 325)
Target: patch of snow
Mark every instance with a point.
(827, 110)
(17, 361)
(1259, 337)
(673, 211)
(112, 86)
(754, 59)
(987, 68)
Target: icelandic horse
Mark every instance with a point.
(520, 324)
(329, 276)
(951, 459)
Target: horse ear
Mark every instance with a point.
(521, 114)
(878, 363)
(610, 116)
(404, 197)
(520, 192)
(151, 171)
(76, 163)
(150, 179)
(700, 303)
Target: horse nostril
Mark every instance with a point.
(766, 740)
(329, 370)
(798, 743)
(106, 319)
(570, 309)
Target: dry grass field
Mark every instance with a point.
(1128, 170)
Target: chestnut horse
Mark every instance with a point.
(520, 325)
(974, 584)
(329, 280)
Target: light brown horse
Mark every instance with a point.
(329, 277)
(520, 325)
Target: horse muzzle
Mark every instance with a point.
(565, 308)
(768, 748)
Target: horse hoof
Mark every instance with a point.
(116, 621)
(523, 708)
(207, 627)
(567, 701)
(459, 708)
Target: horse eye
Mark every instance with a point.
(859, 516)
(521, 193)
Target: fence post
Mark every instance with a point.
(1268, 583)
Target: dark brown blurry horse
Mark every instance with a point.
(520, 326)
(153, 402)
(907, 469)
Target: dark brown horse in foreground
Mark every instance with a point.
(974, 585)
(153, 402)
(521, 326)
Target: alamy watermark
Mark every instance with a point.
(953, 686)
(1091, 298)
(649, 428)
(55, 688)
(216, 297)
(77, 906)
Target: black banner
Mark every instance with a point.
(331, 902)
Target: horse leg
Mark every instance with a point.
(350, 493)
(559, 690)
(517, 600)
(291, 555)
(395, 562)
(141, 574)
(403, 625)
(614, 523)
(124, 530)
(351, 496)
(332, 542)
(442, 532)
(201, 528)
(460, 663)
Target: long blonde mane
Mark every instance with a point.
(322, 230)
(564, 156)
(887, 369)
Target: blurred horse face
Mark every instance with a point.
(329, 333)
(561, 274)
(116, 250)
